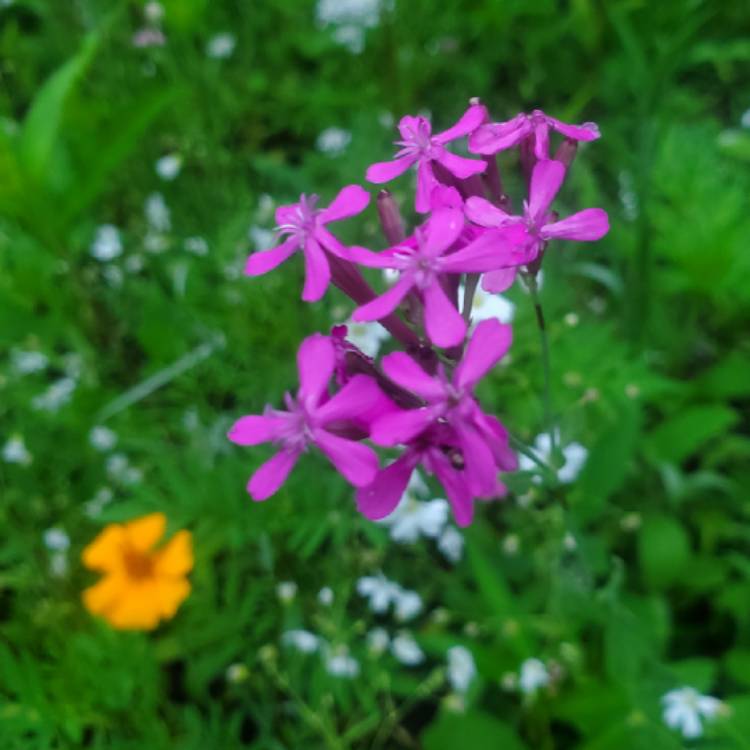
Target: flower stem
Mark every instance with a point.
(547, 394)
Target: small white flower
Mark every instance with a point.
(263, 239)
(571, 319)
(26, 362)
(120, 469)
(301, 640)
(451, 544)
(157, 213)
(155, 243)
(461, 668)
(574, 457)
(286, 591)
(221, 46)
(113, 275)
(15, 451)
(533, 675)
(333, 141)
(366, 336)
(107, 244)
(56, 539)
(511, 544)
(58, 564)
(153, 12)
(94, 507)
(168, 166)
(325, 596)
(391, 276)
(377, 641)
(237, 673)
(413, 518)
(134, 263)
(378, 590)
(408, 604)
(406, 650)
(486, 306)
(340, 664)
(102, 438)
(57, 395)
(685, 707)
(148, 37)
(196, 246)
(359, 12)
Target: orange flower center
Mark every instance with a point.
(137, 564)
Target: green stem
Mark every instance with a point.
(523, 449)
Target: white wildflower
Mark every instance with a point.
(102, 438)
(325, 596)
(113, 275)
(414, 518)
(120, 469)
(333, 141)
(574, 457)
(301, 640)
(286, 591)
(364, 13)
(196, 246)
(533, 675)
(94, 507)
(56, 539)
(56, 396)
(15, 451)
(148, 37)
(237, 673)
(107, 244)
(377, 641)
(486, 306)
(153, 12)
(407, 604)
(155, 243)
(263, 239)
(340, 664)
(157, 213)
(461, 668)
(406, 650)
(451, 544)
(134, 263)
(27, 361)
(58, 564)
(685, 707)
(378, 590)
(221, 46)
(366, 336)
(168, 166)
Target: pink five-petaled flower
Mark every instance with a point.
(584, 226)
(420, 147)
(421, 260)
(304, 226)
(311, 419)
(498, 136)
(482, 439)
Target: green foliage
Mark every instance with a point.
(628, 582)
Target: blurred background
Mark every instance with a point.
(143, 149)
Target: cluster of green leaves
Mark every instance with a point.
(630, 582)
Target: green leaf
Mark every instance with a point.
(475, 730)
(697, 673)
(663, 551)
(681, 436)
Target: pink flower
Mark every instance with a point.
(482, 440)
(313, 418)
(584, 226)
(304, 224)
(421, 260)
(498, 136)
(422, 148)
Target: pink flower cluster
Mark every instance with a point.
(419, 399)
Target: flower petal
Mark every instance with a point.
(426, 183)
(143, 533)
(380, 498)
(480, 469)
(404, 371)
(486, 214)
(255, 429)
(588, 225)
(386, 303)
(350, 201)
(175, 558)
(357, 396)
(498, 136)
(489, 343)
(317, 271)
(271, 475)
(546, 180)
(460, 166)
(357, 463)
(541, 139)
(589, 131)
(444, 324)
(443, 230)
(316, 360)
(470, 120)
(105, 552)
(456, 487)
(103, 594)
(266, 260)
(385, 171)
(137, 608)
(495, 248)
(402, 426)
(498, 281)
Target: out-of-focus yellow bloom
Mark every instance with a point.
(141, 585)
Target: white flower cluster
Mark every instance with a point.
(350, 18)
(685, 709)
(574, 458)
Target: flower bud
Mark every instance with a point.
(390, 218)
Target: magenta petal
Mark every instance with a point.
(589, 131)
(488, 344)
(460, 166)
(456, 488)
(368, 258)
(351, 200)
(443, 230)
(426, 183)
(331, 243)
(445, 197)
(541, 140)
(498, 136)
(266, 260)
(255, 429)
(272, 474)
(444, 324)
(402, 426)
(496, 282)
(381, 497)
(474, 116)
(497, 438)
(357, 396)
(385, 171)
(411, 126)
(496, 248)
(480, 468)
(588, 225)
(404, 371)
(357, 463)
(386, 303)
(486, 214)
(316, 360)
(546, 180)
(317, 271)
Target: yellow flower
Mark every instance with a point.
(141, 585)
